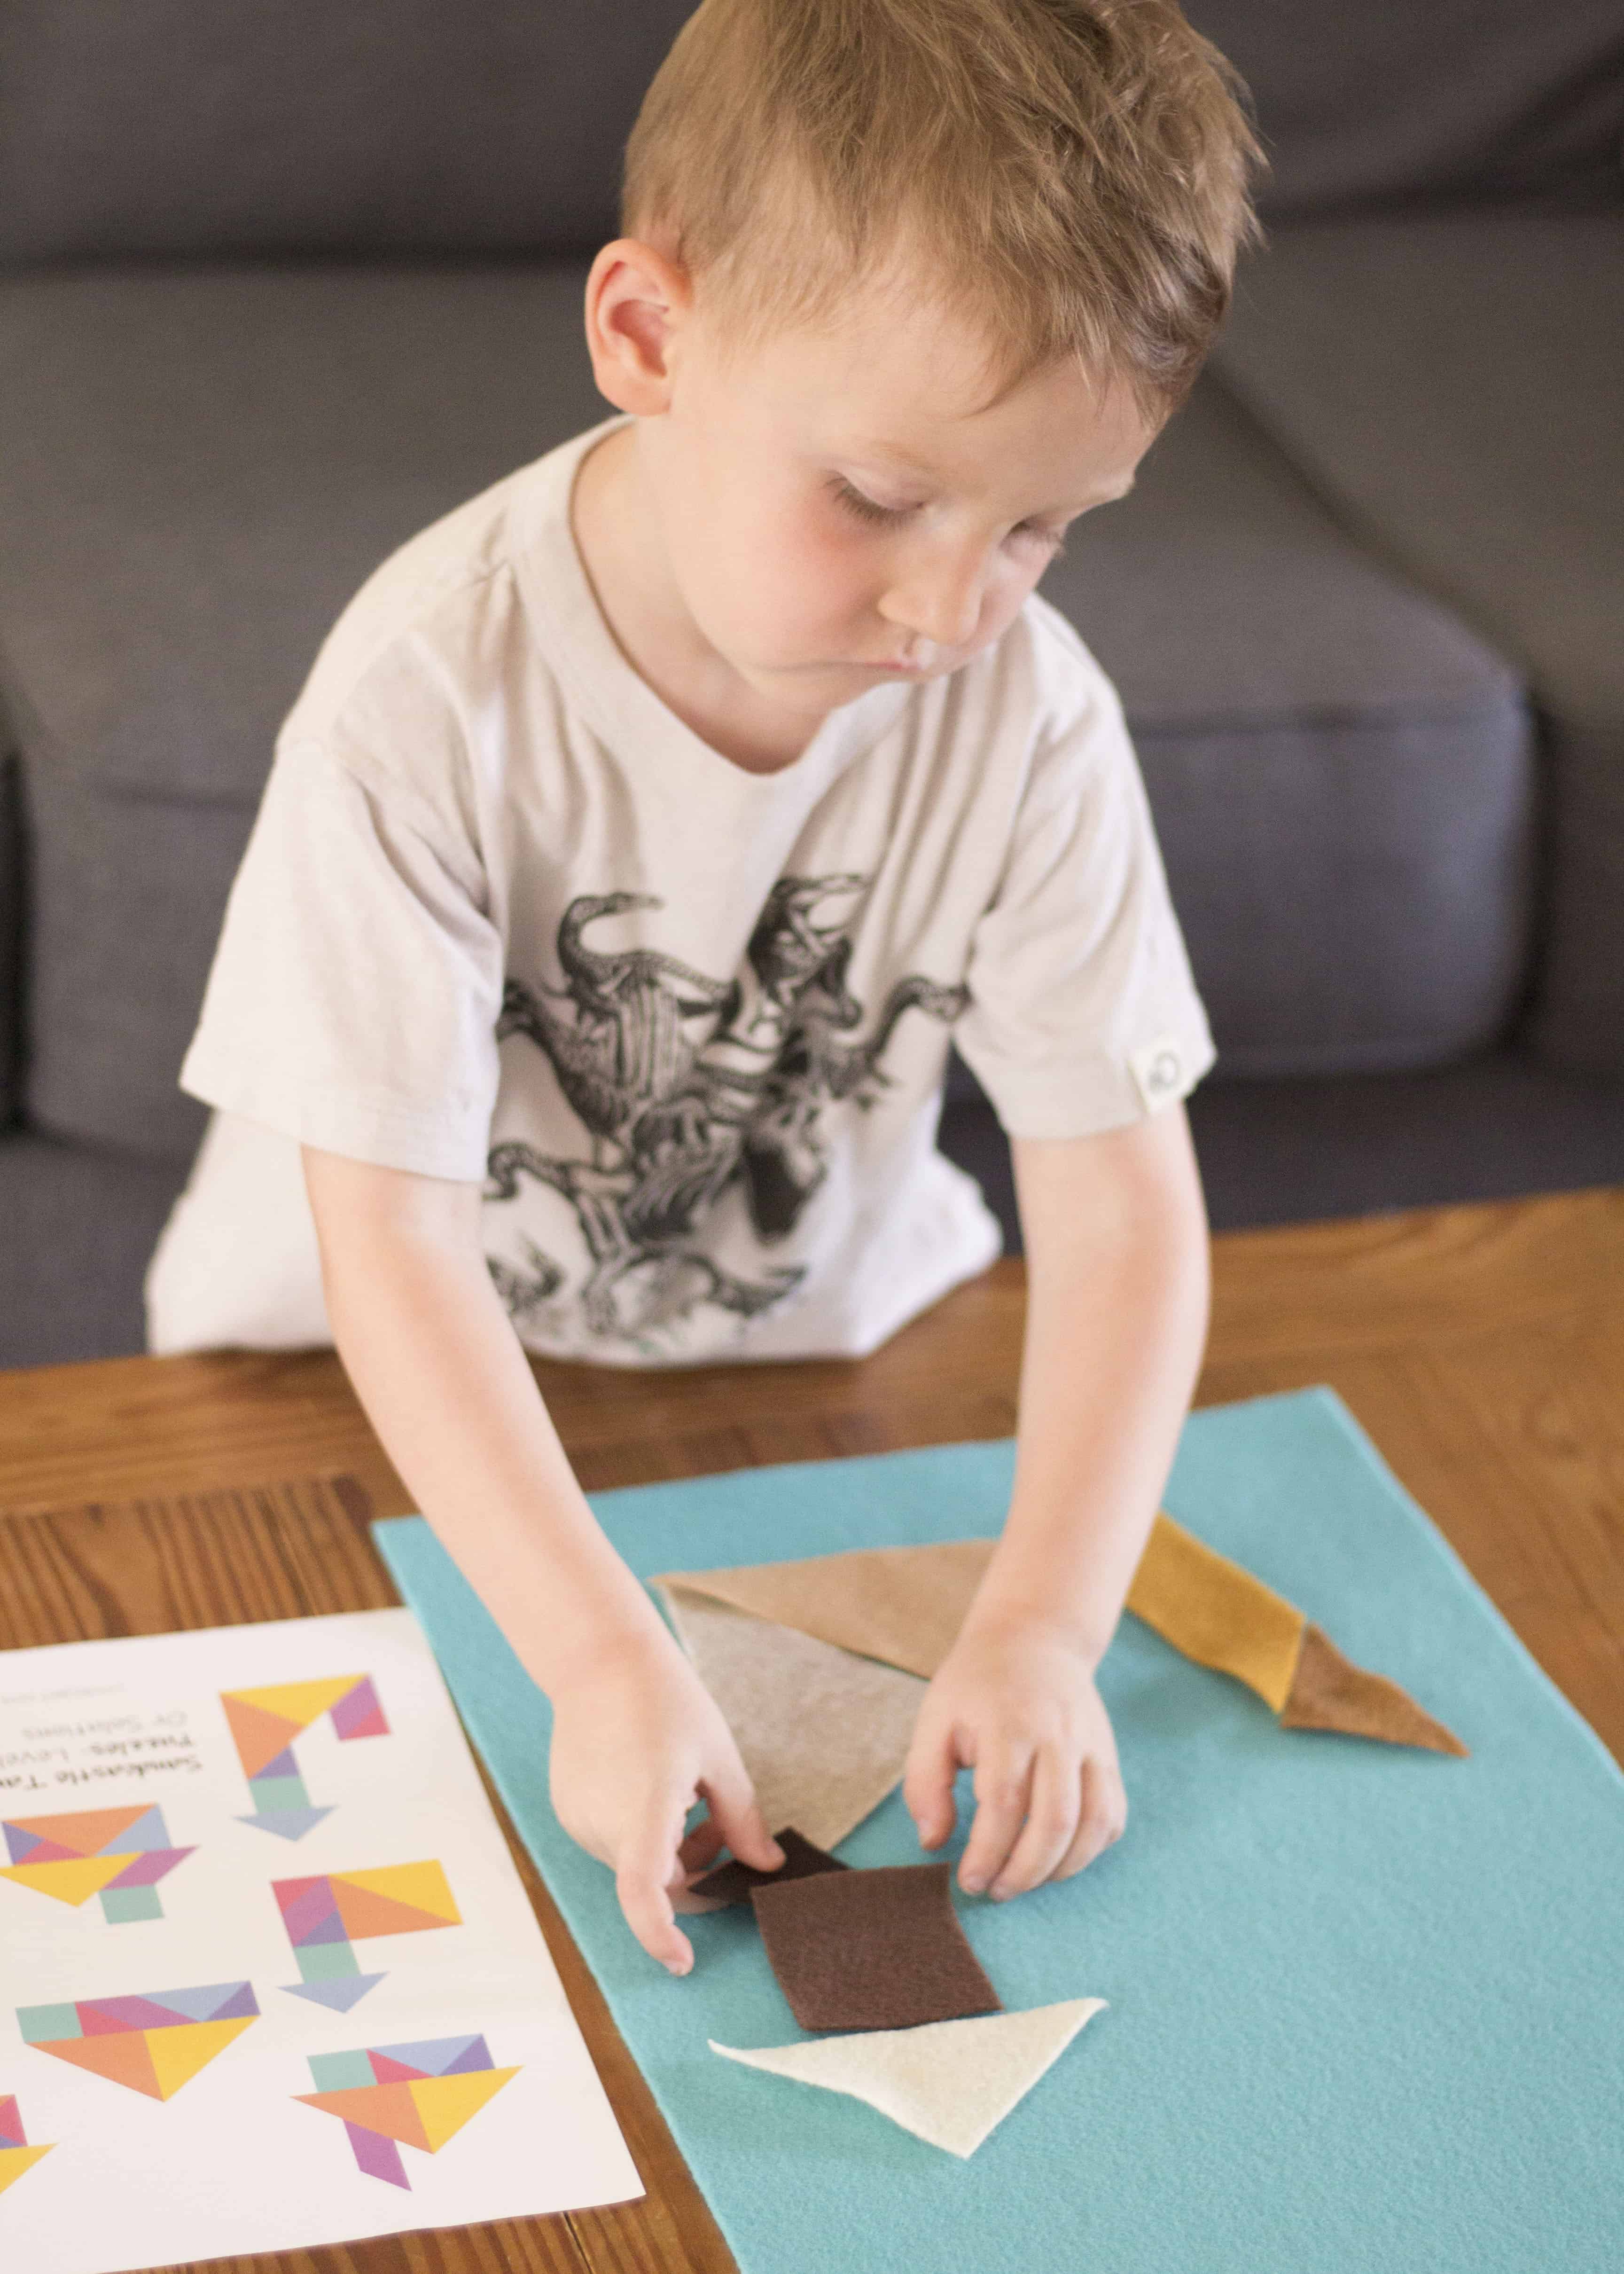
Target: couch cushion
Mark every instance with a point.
(1341, 771)
(207, 465)
(185, 127)
(198, 469)
(1362, 102)
(1452, 387)
(79, 1228)
(10, 928)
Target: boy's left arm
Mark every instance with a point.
(1117, 1269)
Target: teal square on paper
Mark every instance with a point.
(1367, 2004)
(121, 1906)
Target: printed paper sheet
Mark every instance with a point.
(267, 1975)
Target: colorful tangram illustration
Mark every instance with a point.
(154, 2043)
(325, 1917)
(420, 2095)
(263, 1724)
(120, 1854)
(15, 2156)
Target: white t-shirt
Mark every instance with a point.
(504, 917)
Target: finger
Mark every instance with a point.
(738, 1819)
(927, 1783)
(1050, 1829)
(642, 1884)
(701, 1846)
(1001, 1788)
(1103, 1817)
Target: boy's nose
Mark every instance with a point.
(944, 607)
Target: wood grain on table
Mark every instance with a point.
(1482, 1348)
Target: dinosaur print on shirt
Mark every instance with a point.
(687, 1085)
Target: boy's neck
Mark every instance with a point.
(616, 529)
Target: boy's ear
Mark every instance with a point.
(636, 302)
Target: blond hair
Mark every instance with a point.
(1074, 172)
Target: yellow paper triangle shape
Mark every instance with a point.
(178, 2053)
(421, 1886)
(299, 1701)
(445, 2103)
(15, 2161)
(72, 1879)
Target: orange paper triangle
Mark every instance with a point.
(258, 1736)
(121, 2057)
(85, 1832)
(386, 2108)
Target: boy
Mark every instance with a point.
(646, 826)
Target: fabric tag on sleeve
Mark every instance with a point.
(1158, 1069)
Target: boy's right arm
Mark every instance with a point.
(434, 1360)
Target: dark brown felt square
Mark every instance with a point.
(872, 1950)
(734, 1882)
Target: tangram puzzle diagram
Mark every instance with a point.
(326, 1916)
(419, 2095)
(263, 1724)
(15, 2156)
(154, 2043)
(120, 1854)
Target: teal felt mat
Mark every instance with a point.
(1366, 2006)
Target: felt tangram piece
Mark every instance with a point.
(904, 1605)
(950, 2083)
(15, 2156)
(824, 1734)
(734, 1882)
(152, 2044)
(872, 1950)
(419, 2095)
(1215, 1613)
(1329, 1692)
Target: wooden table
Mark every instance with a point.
(1483, 1349)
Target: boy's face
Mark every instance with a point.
(838, 508)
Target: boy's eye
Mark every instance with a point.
(864, 507)
(1033, 532)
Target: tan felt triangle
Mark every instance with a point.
(824, 1734)
(902, 1606)
(1330, 1692)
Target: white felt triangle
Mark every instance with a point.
(950, 2082)
(824, 1734)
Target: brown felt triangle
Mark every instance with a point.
(1330, 1692)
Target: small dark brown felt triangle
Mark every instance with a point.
(732, 1882)
(1329, 1692)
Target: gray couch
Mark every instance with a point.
(280, 282)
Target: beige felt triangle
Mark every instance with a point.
(902, 1606)
(824, 1734)
(949, 2082)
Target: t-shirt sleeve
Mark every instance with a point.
(1082, 1012)
(354, 995)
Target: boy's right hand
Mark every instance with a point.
(637, 1740)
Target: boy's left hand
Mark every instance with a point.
(1015, 1700)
